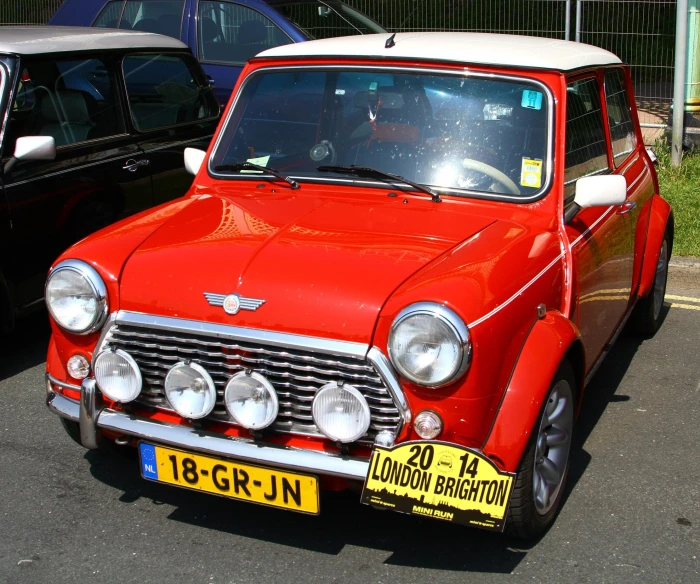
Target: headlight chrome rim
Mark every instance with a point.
(270, 392)
(96, 283)
(454, 323)
(207, 378)
(333, 386)
(132, 364)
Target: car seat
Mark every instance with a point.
(65, 116)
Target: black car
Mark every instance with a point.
(93, 125)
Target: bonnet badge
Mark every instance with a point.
(232, 303)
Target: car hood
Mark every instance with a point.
(323, 266)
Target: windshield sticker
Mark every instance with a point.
(340, 92)
(439, 480)
(531, 99)
(531, 173)
(260, 161)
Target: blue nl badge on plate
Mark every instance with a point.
(148, 461)
(531, 99)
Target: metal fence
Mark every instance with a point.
(27, 11)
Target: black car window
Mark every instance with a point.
(586, 150)
(73, 101)
(622, 132)
(166, 90)
(159, 16)
(231, 33)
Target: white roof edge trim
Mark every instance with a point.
(35, 40)
(457, 47)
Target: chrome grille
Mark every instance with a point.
(296, 374)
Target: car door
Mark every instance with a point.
(171, 107)
(99, 173)
(227, 35)
(601, 238)
(628, 160)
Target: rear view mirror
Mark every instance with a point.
(32, 148)
(193, 160)
(597, 191)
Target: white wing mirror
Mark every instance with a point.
(194, 159)
(32, 148)
(597, 191)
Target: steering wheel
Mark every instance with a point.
(491, 172)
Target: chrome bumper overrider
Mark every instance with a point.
(90, 417)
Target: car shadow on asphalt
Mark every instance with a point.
(26, 346)
(408, 540)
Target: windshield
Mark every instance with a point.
(486, 135)
(325, 19)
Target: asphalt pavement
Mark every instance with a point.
(631, 514)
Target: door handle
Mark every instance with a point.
(133, 165)
(626, 207)
(211, 80)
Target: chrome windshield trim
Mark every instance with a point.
(464, 193)
(327, 346)
(391, 380)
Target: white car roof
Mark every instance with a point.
(32, 40)
(458, 47)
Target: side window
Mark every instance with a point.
(159, 16)
(109, 17)
(73, 101)
(622, 131)
(586, 151)
(231, 33)
(165, 90)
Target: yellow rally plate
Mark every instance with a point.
(246, 482)
(439, 480)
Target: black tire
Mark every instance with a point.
(105, 446)
(72, 429)
(524, 520)
(648, 313)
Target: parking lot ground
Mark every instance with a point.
(632, 511)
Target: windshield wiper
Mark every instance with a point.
(367, 172)
(250, 166)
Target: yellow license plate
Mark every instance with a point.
(266, 486)
(439, 480)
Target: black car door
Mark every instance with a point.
(172, 107)
(99, 174)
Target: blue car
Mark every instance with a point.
(223, 34)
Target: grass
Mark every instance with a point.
(681, 188)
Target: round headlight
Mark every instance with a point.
(117, 375)
(76, 297)
(429, 344)
(190, 390)
(340, 412)
(251, 400)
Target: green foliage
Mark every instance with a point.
(680, 186)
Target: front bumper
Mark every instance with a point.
(91, 418)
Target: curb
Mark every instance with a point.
(688, 263)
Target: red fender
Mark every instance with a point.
(661, 217)
(551, 340)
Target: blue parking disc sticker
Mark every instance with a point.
(149, 468)
(531, 99)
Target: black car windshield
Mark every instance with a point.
(321, 19)
(485, 135)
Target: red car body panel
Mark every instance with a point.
(341, 262)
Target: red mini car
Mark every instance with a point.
(399, 264)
